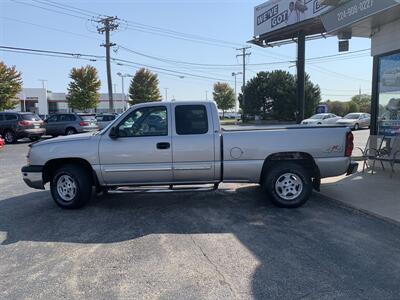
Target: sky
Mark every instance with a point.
(222, 25)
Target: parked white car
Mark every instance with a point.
(355, 120)
(320, 119)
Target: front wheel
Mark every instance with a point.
(71, 187)
(288, 185)
(356, 126)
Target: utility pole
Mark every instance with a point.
(243, 55)
(43, 82)
(109, 24)
(301, 53)
(206, 95)
(236, 98)
(166, 93)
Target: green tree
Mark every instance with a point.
(83, 90)
(273, 95)
(363, 101)
(144, 87)
(339, 108)
(352, 107)
(224, 96)
(10, 86)
(268, 93)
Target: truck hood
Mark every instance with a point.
(67, 138)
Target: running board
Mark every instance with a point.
(167, 189)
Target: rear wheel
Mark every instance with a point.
(356, 126)
(10, 137)
(71, 187)
(70, 131)
(288, 185)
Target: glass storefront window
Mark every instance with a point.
(389, 95)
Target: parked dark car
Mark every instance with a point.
(19, 125)
(70, 123)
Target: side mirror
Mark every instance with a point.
(114, 132)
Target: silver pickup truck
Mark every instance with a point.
(173, 144)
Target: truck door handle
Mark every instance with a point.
(163, 146)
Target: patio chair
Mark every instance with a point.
(390, 153)
(371, 150)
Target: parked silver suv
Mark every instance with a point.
(70, 123)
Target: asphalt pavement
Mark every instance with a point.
(228, 244)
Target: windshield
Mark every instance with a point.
(319, 117)
(351, 116)
(30, 117)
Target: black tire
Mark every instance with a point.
(34, 138)
(70, 131)
(276, 173)
(356, 127)
(82, 183)
(10, 137)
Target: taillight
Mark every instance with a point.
(83, 124)
(24, 123)
(349, 144)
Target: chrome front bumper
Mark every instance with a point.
(32, 176)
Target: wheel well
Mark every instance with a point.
(52, 165)
(302, 158)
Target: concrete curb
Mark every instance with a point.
(360, 210)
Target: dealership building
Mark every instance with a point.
(277, 22)
(41, 101)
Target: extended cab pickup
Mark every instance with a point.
(181, 143)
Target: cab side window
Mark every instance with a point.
(146, 121)
(191, 119)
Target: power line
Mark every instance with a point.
(91, 13)
(50, 9)
(73, 11)
(50, 55)
(56, 5)
(49, 28)
(98, 57)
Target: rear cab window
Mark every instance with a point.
(191, 119)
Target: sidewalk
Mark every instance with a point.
(376, 194)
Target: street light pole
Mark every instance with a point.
(166, 94)
(123, 87)
(236, 98)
